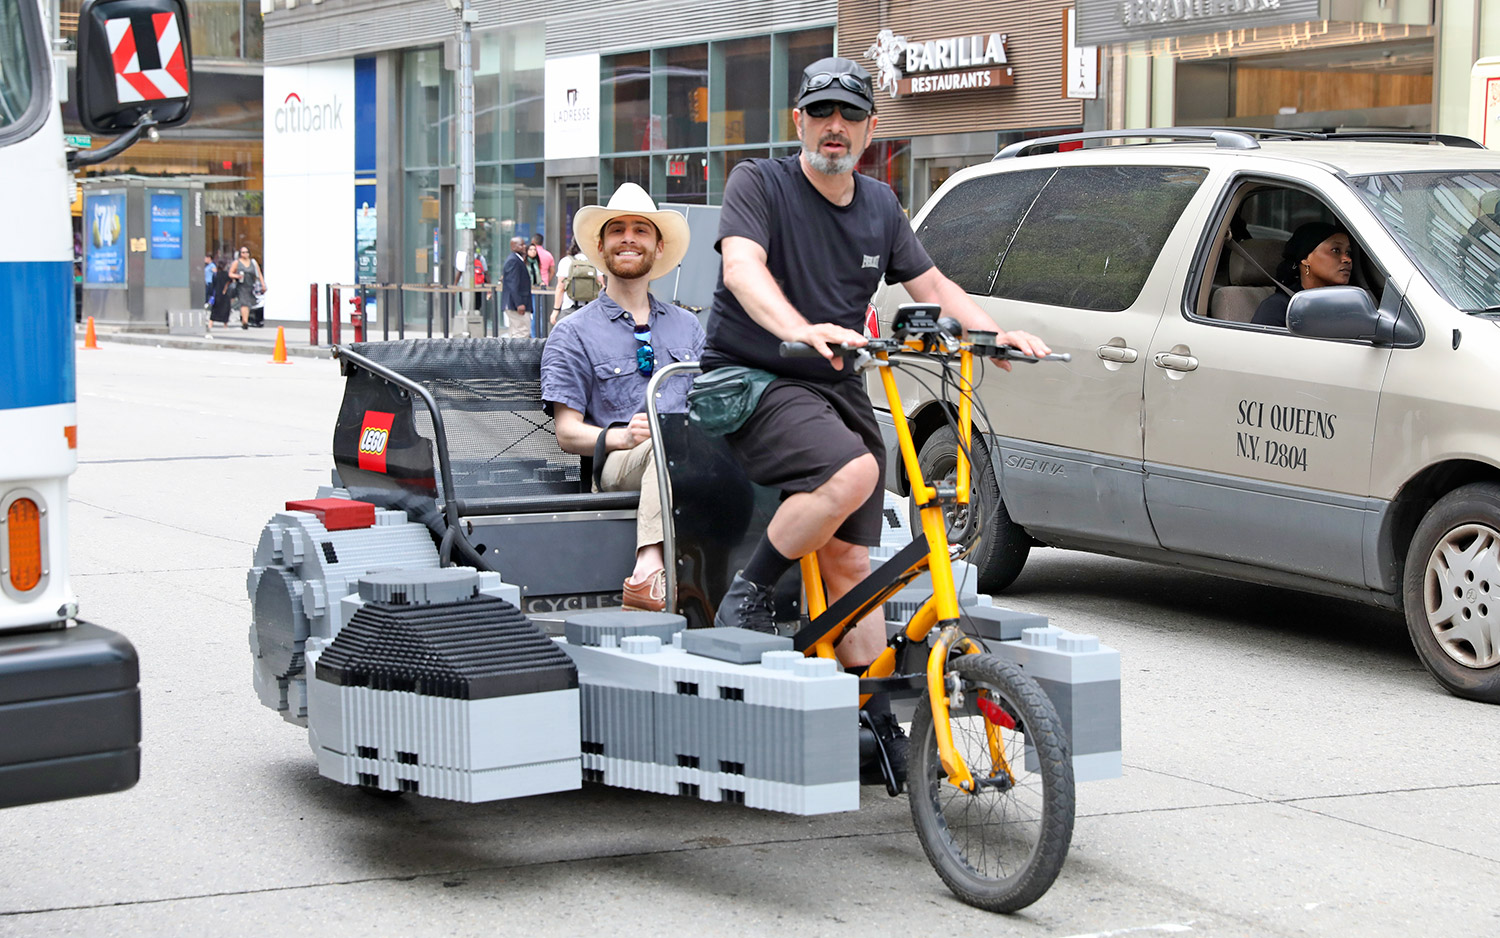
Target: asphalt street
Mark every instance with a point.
(1290, 769)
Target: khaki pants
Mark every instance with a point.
(631, 469)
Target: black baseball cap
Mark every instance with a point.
(839, 80)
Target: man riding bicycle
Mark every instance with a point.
(805, 240)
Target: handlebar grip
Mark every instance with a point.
(803, 350)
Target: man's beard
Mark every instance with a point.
(631, 270)
(832, 165)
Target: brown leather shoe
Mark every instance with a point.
(650, 596)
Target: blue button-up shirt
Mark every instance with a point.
(590, 361)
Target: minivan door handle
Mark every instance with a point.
(1118, 353)
(1175, 362)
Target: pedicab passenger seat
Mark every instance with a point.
(499, 445)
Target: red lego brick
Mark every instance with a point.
(337, 514)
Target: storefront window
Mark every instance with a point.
(616, 172)
(682, 75)
(214, 26)
(487, 108)
(422, 249)
(802, 49)
(522, 77)
(744, 67)
(686, 177)
(625, 102)
(429, 109)
(890, 162)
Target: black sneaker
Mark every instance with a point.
(893, 741)
(747, 606)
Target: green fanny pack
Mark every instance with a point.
(723, 399)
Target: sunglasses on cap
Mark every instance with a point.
(823, 79)
(822, 109)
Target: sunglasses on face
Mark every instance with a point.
(645, 355)
(822, 109)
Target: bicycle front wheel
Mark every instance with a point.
(1001, 847)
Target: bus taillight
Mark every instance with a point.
(24, 555)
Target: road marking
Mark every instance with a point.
(1168, 927)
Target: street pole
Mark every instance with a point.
(469, 16)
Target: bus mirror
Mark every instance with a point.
(135, 64)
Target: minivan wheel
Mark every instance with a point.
(1451, 591)
(1002, 544)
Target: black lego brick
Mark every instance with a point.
(471, 650)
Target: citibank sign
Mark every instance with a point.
(907, 67)
(296, 116)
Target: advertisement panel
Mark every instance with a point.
(166, 226)
(571, 102)
(104, 237)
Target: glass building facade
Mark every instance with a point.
(675, 120)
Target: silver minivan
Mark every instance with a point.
(1351, 450)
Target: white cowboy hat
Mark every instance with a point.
(631, 199)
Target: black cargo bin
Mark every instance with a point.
(70, 714)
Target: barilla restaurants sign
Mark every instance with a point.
(960, 63)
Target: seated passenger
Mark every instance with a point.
(1319, 254)
(598, 361)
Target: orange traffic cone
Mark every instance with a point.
(278, 357)
(89, 341)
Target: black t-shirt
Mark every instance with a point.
(828, 259)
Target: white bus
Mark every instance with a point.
(69, 704)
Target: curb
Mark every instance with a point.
(222, 345)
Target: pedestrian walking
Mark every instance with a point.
(246, 274)
(222, 293)
(578, 283)
(516, 288)
(209, 269)
(534, 271)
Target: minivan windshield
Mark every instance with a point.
(1449, 225)
(15, 63)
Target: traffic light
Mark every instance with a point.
(700, 105)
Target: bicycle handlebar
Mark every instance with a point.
(983, 350)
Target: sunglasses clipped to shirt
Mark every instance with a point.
(645, 355)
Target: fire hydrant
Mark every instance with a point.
(357, 317)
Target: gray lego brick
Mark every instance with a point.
(999, 624)
(714, 786)
(1054, 654)
(593, 628)
(791, 681)
(453, 784)
(775, 744)
(617, 722)
(419, 587)
(1089, 712)
(736, 646)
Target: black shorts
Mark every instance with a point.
(803, 432)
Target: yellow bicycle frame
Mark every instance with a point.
(942, 607)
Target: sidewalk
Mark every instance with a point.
(260, 341)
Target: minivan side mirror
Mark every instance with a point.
(135, 65)
(1333, 313)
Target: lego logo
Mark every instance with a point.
(374, 436)
(373, 440)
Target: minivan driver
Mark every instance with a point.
(1318, 254)
(805, 241)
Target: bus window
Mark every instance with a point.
(18, 68)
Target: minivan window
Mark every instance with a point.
(969, 228)
(15, 64)
(1093, 235)
(1448, 223)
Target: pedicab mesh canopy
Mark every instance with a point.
(501, 441)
